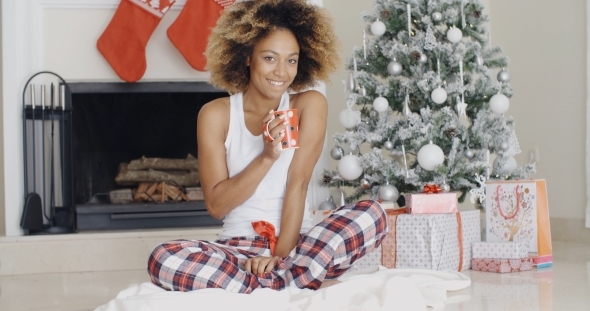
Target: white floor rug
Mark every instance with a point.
(370, 289)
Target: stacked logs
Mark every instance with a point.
(158, 180)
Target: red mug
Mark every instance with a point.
(291, 138)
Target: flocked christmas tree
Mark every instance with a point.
(424, 107)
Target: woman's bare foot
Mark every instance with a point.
(328, 283)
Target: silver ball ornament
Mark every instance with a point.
(423, 58)
(437, 16)
(327, 205)
(373, 114)
(503, 76)
(337, 153)
(388, 145)
(504, 146)
(394, 68)
(469, 154)
(388, 193)
(491, 146)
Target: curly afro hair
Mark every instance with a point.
(244, 24)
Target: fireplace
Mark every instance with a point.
(114, 123)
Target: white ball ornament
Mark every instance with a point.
(349, 167)
(454, 34)
(423, 58)
(380, 104)
(437, 16)
(509, 166)
(499, 103)
(439, 95)
(394, 68)
(378, 28)
(349, 118)
(430, 156)
(388, 193)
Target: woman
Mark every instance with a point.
(259, 51)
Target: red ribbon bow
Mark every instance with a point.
(267, 230)
(434, 188)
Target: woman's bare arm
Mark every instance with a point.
(223, 194)
(313, 110)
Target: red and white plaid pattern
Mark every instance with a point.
(325, 252)
(225, 3)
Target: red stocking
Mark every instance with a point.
(190, 31)
(123, 42)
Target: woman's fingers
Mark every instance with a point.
(277, 127)
(260, 265)
(271, 264)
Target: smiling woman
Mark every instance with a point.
(237, 32)
(261, 51)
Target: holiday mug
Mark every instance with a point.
(291, 138)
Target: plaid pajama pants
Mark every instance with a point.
(325, 252)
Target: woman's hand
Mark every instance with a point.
(272, 138)
(260, 265)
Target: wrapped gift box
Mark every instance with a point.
(517, 211)
(502, 265)
(436, 241)
(507, 250)
(435, 203)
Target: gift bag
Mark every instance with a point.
(517, 211)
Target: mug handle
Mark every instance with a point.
(265, 131)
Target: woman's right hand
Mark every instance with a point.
(276, 132)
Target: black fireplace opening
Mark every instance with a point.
(114, 123)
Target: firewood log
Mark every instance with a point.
(188, 164)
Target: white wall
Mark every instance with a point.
(546, 43)
(349, 29)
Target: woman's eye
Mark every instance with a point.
(293, 61)
(269, 58)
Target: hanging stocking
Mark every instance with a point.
(123, 42)
(190, 31)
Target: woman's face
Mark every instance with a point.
(273, 64)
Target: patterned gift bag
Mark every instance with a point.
(518, 211)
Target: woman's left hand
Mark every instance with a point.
(260, 265)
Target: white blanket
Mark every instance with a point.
(375, 288)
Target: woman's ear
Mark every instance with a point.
(248, 61)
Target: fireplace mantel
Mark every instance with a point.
(60, 36)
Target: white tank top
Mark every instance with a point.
(241, 147)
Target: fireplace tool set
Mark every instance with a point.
(47, 156)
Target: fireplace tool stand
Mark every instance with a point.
(47, 153)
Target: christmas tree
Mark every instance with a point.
(424, 105)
